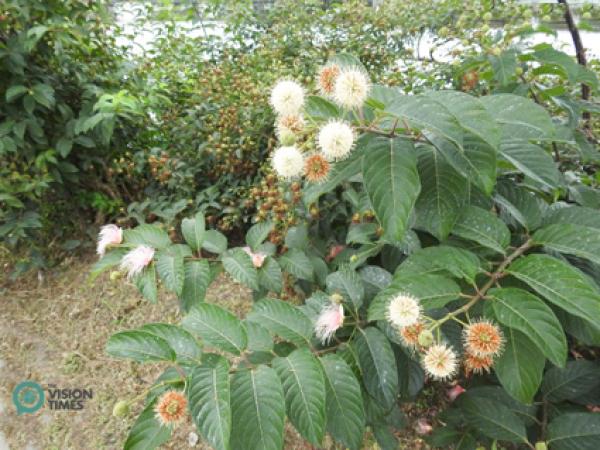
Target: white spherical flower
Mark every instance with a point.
(336, 140)
(135, 260)
(440, 361)
(404, 310)
(351, 88)
(287, 98)
(288, 162)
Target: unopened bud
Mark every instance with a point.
(336, 298)
(121, 409)
(541, 446)
(115, 275)
(425, 338)
(287, 138)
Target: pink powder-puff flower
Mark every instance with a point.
(329, 321)
(135, 260)
(258, 258)
(454, 392)
(109, 235)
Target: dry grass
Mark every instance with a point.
(54, 331)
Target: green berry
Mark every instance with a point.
(488, 16)
(425, 338)
(121, 409)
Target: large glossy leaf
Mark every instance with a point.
(183, 343)
(518, 309)
(258, 233)
(442, 197)
(424, 113)
(432, 291)
(519, 367)
(483, 227)
(532, 160)
(140, 346)
(259, 338)
(378, 365)
(441, 259)
(561, 284)
(527, 413)
(239, 265)
(146, 283)
(476, 161)
(283, 320)
(149, 235)
(575, 380)
(392, 183)
(470, 113)
(217, 327)
(209, 402)
(170, 267)
(193, 230)
(269, 275)
(258, 409)
(504, 66)
(574, 431)
(577, 215)
(347, 283)
(492, 419)
(214, 241)
(297, 263)
(519, 117)
(521, 206)
(571, 239)
(304, 389)
(147, 433)
(345, 412)
(195, 282)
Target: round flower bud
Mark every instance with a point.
(115, 275)
(541, 446)
(425, 338)
(488, 16)
(336, 298)
(121, 409)
(287, 138)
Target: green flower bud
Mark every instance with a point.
(121, 409)
(287, 138)
(115, 275)
(336, 298)
(519, 71)
(425, 338)
(488, 16)
(541, 446)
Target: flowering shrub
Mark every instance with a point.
(462, 261)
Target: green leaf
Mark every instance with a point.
(424, 113)
(183, 343)
(483, 227)
(258, 408)
(149, 235)
(304, 390)
(519, 117)
(441, 259)
(470, 113)
(476, 161)
(259, 338)
(520, 366)
(15, 92)
(533, 161)
(193, 231)
(146, 284)
(63, 146)
(217, 327)
(504, 66)
(561, 284)
(44, 95)
(527, 413)
(344, 405)
(378, 365)
(492, 419)
(574, 431)
(374, 279)
(140, 346)
(239, 265)
(520, 204)
(283, 320)
(297, 237)
(576, 215)
(195, 282)
(518, 309)
(209, 402)
(258, 233)
(147, 433)
(214, 242)
(169, 265)
(361, 233)
(433, 291)
(319, 108)
(269, 275)
(576, 379)
(295, 262)
(442, 198)
(110, 259)
(567, 66)
(577, 240)
(347, 283)
(392, 183)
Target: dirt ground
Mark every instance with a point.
(53, 330)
